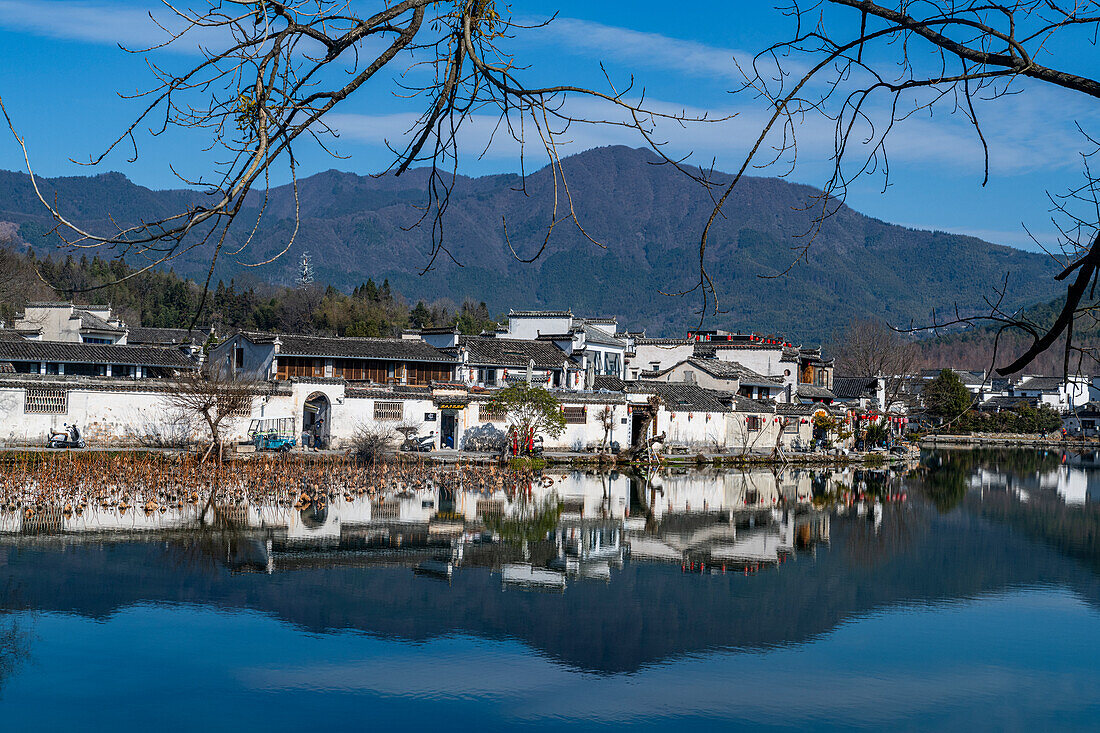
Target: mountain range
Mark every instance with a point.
(645, 217)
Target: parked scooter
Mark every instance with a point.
(419, 443)
(70, 437)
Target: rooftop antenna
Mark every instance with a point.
(305, 270)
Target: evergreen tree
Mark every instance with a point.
(946, 396)
(420, 316)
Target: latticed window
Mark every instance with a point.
(389, 411)
(46, 401)
(754, 422)
(489, 413)
(575, 415)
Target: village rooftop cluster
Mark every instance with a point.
(708, 392)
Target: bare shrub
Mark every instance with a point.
(373, 444)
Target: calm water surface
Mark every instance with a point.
(960, 594)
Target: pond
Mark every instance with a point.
(961, 593)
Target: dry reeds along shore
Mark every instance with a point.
(34, 482)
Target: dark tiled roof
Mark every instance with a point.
(359, 348)
(679, 397)
(733, 370)
(73, 353)
(92, 322)
(1045, 384)
(1007, 403)
(815, 393)
(744, 404)
(794, 408)
(642, 341)
(10, 334)
(970, 379)
(850, 388)
(608, 382)
(595, 335)
(167, 336)
(707, 349)
(484, 351)
(540, 314)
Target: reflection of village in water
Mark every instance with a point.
(583, 525)
(1073, 477)
(572, 525)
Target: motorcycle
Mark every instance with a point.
(68, 438)
(419, 443)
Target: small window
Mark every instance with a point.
(493, 415)
(238, 357)
(46, 401)
(791, 425)
(575, 415)
(754, 423)
(387, 411)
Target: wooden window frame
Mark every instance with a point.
(388, 411)
(575, 414)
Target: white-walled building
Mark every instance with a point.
(87, 324)
(651, 355)
(727, 376)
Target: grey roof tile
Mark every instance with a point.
(353, 348)
(850, 388)
(74, 353)
(485, 351)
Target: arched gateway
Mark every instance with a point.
(317, 407)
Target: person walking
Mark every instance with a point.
(318, 433)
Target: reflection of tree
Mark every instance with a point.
(205, 550)
(14, 648)
(950, 470)
(947, 485)
(529, 521)
(14, 639)
(868, 546)
(1072, 530)
(1002, 460)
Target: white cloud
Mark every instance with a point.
(637, 48)
(1021, 138)
(107, 23)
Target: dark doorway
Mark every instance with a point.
(447, 429)
(638, 423)
(316, 409)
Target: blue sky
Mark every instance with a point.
(61, 72)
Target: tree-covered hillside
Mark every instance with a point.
(166, 300)
(646, 217)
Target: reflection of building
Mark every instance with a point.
(729, 540)
(1074, 484)
(596, 522)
